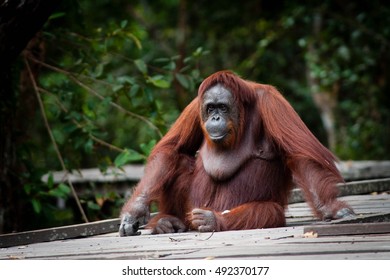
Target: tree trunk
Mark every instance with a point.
(325, 99)
(326, 102)
(19, 22)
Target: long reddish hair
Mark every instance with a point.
(280, 121)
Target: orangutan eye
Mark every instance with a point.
(210, 109)
(223, 108)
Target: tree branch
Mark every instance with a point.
(98, 95)
(60, 158)
(93, 137)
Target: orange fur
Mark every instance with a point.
(270, 149)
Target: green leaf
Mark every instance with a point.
(61, 191)
(148, 95)
(106, 101)
(170, 66)
(123, 23)
(88, 146)
(28, 188)
(147, 147)
(117, 88)
(69, 128)
(195, 74)
(50, 181)
(162, 60)
(58, 136)
(128, 155)
(57, 15)
(126, 80)
(98, 70)
(183, 80)
(187, 59)
(159, 81)
(141, 65)
(65, 189)
(55, 193)
(198, 52)
(176, 57)
(74, 115)
(36, 205)
(93, 205)
(87, 110)
(134, 89)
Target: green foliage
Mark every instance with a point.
(127, 156)
(108, 98)
(103, 87)
(40, 194)
(42, 198)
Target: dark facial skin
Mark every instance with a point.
(217, 113)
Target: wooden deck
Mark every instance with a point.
(365, 237)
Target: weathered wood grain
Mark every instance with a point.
(59, 233)
(348, 229)
(375, 208)
(131, 173)
(351, 170)
(350, 188)
(280, 243)
(368, 169)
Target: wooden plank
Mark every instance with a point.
(351, 170)
(284, 248)
(59, 233)
(368, 209)
(357, 170)
(348, 229)
(297, 214)
(295, 217)
(350, 188)
(374, 218)
(132, 173)
(365, 187)
(287, 242)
